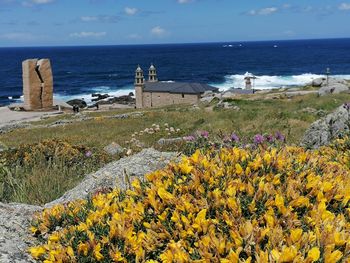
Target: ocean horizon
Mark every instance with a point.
(80, 71)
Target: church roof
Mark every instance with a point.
(178, 87)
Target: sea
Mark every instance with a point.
(80, 71)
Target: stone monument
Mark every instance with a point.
(37, 84)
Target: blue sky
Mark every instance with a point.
(112, 22)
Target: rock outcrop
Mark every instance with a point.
(15, 237)
(118, 174)
(332, 86)
(80, 103)
(323, 131)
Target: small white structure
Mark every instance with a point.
(248, 77)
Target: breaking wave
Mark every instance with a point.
(271, 82)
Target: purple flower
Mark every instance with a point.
(234, 137)
(259, 139)
(280, 137)
(269, 138)
(347, 106)
(190, 138)
(204, 134)
(88, 154)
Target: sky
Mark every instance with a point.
(118, 22)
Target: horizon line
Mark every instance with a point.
(180, 43)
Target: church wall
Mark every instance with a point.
(160, 99)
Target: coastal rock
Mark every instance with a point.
(113, 149)
(15, 238)
(98, 97)
(81, 103)
(335, 88)
(322, 82)
(170, 141)
(127, 115)
(125, 100)
(119, 173)
(323, 131)
(318, 82)
(227, 105)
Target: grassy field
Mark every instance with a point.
(255, 116)
(35, 185)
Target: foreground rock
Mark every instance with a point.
(118, 173)
(323, 131)
(14, 232)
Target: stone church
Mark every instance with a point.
(154, 93)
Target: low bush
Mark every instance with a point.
(274, 204)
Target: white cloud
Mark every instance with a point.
(134, 36)
(88, 34)
(36, 2)
(130, 11)
(344, 6)
(184, 1)
(88, 18)
(41, 2)
(18, 36)
(100, 18)
(158, 31)
(264, 11)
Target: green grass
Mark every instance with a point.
(255, 116)
(42, 183)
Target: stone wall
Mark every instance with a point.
(160, 99)
(139, 97)
(37, 84)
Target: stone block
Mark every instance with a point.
(37, 84)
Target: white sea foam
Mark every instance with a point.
(271, 82)
(102, 90)
(87, 96)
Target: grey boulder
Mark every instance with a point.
(323, 131)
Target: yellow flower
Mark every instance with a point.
(295, 234)
(338, 239)
(165, 195)
(288, 254)
(239, 169)
(37, 252)
(314, 254)
(97, 252)
(333, 257)
(117, 256)
(70, 251)
(83, 249)
(185, 167)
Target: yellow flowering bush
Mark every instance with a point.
(233, 205)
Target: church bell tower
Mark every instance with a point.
(152, 74)
(139, 85)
